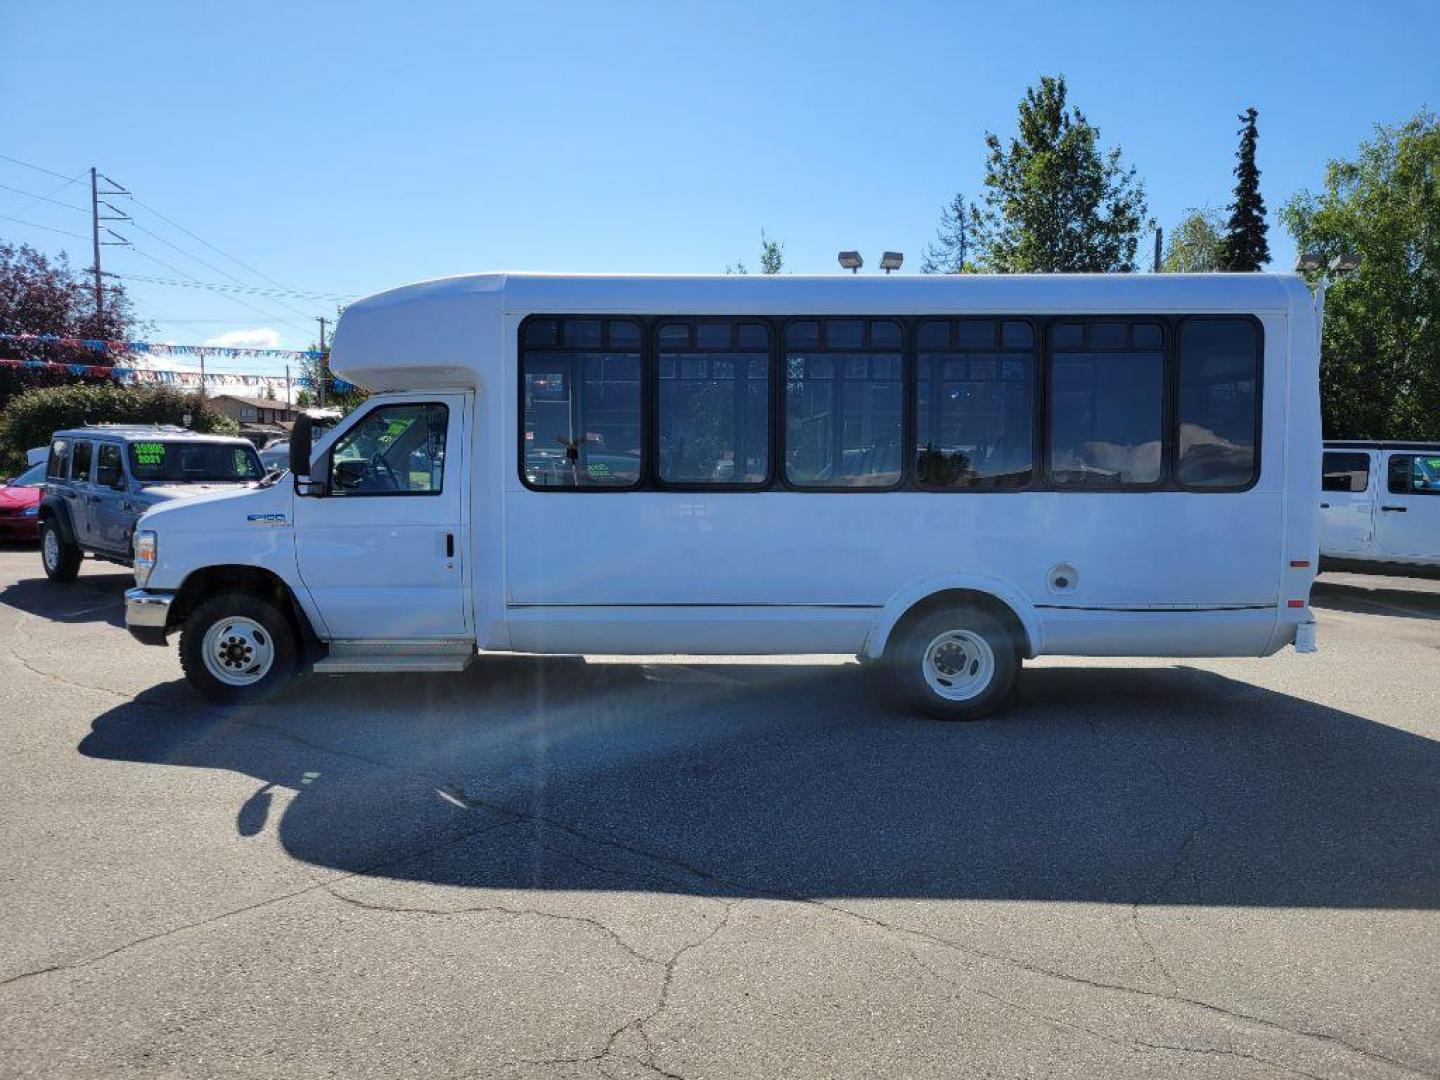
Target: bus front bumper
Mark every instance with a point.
(146, 614)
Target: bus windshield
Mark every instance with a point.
(187, 462)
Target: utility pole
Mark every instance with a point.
(324, 363)
(202, 374)
(95, 219)
(95, 233)
(289, 398)
(1159, 236)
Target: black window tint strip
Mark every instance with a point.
(871, 352)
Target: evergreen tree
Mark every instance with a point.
(1054, 203)
(950, 252)
(1245, 249)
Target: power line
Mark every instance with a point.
(53, 191)
(193, 282)
(250, 289)
(212, 266)
(37, 168)
(45, 198)
(230, 296)
(212, 247)
(47, 228)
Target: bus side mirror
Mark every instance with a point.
(301, 444)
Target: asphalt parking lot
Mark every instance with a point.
(607, 867)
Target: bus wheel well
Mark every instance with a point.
(958, 598)
(251, 580)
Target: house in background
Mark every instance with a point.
(260, 419)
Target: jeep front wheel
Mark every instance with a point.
(60, 558)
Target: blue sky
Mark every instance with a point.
(343, 148)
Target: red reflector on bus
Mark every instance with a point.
(1299, 564)
(1295, 603)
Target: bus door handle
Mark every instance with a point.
(449, 545)
(1324, 506)
(1393, 509)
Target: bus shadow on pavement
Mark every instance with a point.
(90, 598)
(1142, 785)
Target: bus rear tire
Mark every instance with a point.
(957, 663)
(238, 649)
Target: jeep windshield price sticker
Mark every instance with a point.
(150, 453)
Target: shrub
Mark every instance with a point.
(29, 419)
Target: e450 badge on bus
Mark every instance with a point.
(273, 520)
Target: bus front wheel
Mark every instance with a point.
(237, 649)
(955, 664)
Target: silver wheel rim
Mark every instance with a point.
(959, 665)
(238, 651)
(50, 547)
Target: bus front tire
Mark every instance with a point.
(238, 649)
(60, 558)
(955, 663)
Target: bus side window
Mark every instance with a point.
(843, 407)
(714, 402)
(1107, 404)
(582, 422)
(1219, 402)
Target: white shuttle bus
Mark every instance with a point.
(943, 475)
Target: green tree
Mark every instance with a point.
(31, 417)
(950, 252)
(772, 255)
(772, 258)
(1194, 245)
(1245, 249)
(1380, 358)
(1054, 202)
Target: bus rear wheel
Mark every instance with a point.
(955, 664)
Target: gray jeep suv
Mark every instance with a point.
(100, 479)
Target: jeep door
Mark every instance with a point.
(79, 492)
(113, 511)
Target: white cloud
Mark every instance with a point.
(262, 337)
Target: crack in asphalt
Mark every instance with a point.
(87, 961)
(638, 1024)
(1082, 1029)
(1173, 997)
(495, 909)
(18, 625)
(1137, 927)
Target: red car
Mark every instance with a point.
(20, 505)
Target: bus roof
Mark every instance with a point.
(427, 334)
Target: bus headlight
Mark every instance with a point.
(144, 555)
